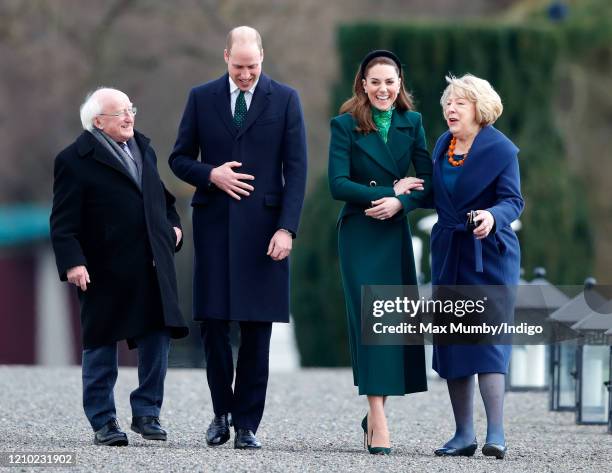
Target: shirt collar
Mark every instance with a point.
(234, 87)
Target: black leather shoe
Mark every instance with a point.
(110, 435)
(494, 450)
(245, 439)
(149, 427)
(457, 452)
(218, 431)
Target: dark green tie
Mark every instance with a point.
(240, 110)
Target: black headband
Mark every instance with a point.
(379, 53)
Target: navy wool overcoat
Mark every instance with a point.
(489, 180)
(234, 278)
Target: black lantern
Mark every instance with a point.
(528, 363)
(562, 388)
(593, 366)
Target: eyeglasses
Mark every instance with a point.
(122, 113)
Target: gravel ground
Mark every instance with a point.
(311, 424)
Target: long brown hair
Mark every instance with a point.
(359, 104)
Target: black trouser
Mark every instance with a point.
(99, 372)
(247, 400)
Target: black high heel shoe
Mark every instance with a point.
(467, 451)
(494, 450)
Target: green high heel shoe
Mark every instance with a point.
(379, 450)
(372, 450)
(364, 426)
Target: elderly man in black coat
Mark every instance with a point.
(114, 231)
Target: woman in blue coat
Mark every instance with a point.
(475, 168)
(374, 143)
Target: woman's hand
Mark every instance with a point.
(407, 184)
(384, 208)
(486, 223)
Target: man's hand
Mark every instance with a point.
(407, 184)
(179, 235)
(384, 208)
(280, 245)
(230, 182)
(79, 277)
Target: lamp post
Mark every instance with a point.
(593, 366)
(562, 369)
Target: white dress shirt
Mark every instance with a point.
(234, 91)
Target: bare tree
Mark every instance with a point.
(54, 51)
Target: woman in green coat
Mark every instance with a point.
(374, 142)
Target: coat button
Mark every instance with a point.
(153, 263)
(373, 184)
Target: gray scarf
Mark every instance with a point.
(133, 166)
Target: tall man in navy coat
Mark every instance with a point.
(250, 179)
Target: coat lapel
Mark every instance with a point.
(223, 105)
(88, 144)
(143, 145)
(399, 136)
(438, 157)
(479, 169)
(260, 101)
(373, 145)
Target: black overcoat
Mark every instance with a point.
(123, 235)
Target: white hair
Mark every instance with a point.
(92, 106)
(478, 91)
